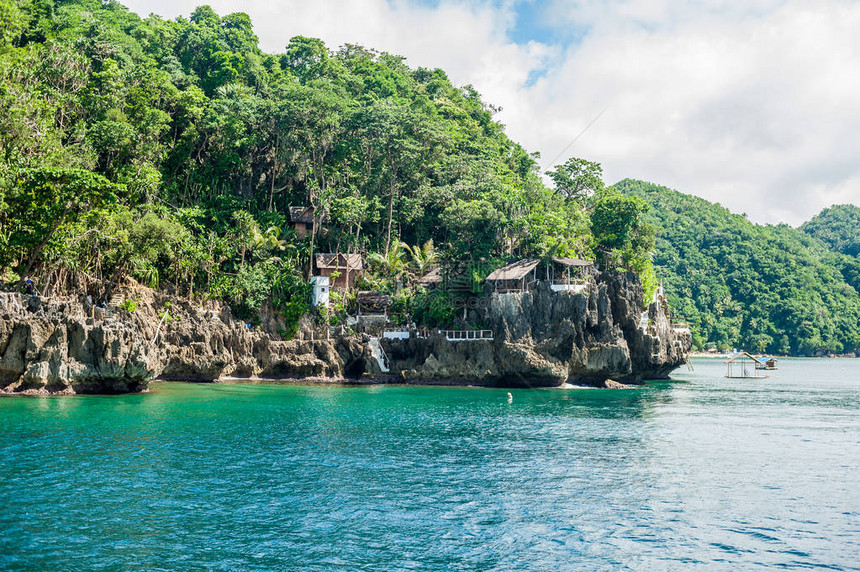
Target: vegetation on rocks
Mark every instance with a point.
(170, 151)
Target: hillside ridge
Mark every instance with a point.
(765, 288)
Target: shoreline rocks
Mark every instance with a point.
(53, 347)
(541, 338)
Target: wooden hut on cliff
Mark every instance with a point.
(372, 303)
(569, 274)
(514, 277)
(432, 279)
(302, 219)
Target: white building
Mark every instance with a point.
(321, 290)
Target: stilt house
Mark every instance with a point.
(743, 365)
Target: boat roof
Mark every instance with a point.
(743, 355)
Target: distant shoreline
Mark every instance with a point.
(776, 356)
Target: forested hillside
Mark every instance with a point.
(838, 227)
(170, 151)
(763, 288)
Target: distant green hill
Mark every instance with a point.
(837, 226)
(767, 288)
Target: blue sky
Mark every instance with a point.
(751, 104)
(534, 23)
(530, 21)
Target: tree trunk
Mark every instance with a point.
(311, 248)
(274, 172)
(31, 262)
(390, 211)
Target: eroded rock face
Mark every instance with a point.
(541, 338)
(546, 338)
(55, 348)
(69, 346)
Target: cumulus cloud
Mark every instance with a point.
(751, 108)
(751, 104)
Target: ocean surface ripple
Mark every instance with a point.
(698, 472)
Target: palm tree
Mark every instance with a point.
(423, 257)
(268, 240)
(393, 263)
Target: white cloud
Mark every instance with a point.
(755, 109)
(751, 104)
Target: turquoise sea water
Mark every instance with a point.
(697, 472)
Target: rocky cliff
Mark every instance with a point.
(540, 338)
(70, 346)
(56, 348)
(547, 338)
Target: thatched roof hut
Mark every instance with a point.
(512, 277)
(432, 279)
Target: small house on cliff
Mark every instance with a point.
(371, 303)
(320, 292)
(342, 269)
(569, 274)
(302, 219)
(514, 277)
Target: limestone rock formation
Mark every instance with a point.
(56, 348)
(541, 338)
(70, 346)
(547, 338)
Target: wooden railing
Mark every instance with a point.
(466, 335)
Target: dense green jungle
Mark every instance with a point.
(764, 288)
(170, 152)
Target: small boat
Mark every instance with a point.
(743, 365)
(766, 363)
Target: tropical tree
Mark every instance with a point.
(40, 202)
(623, 239)
(393, 263)
(577, 178)
(423, 257)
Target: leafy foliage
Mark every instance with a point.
(623, 238)
(171, 151)
(577, 178)
(763, 288)
(837, 226)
